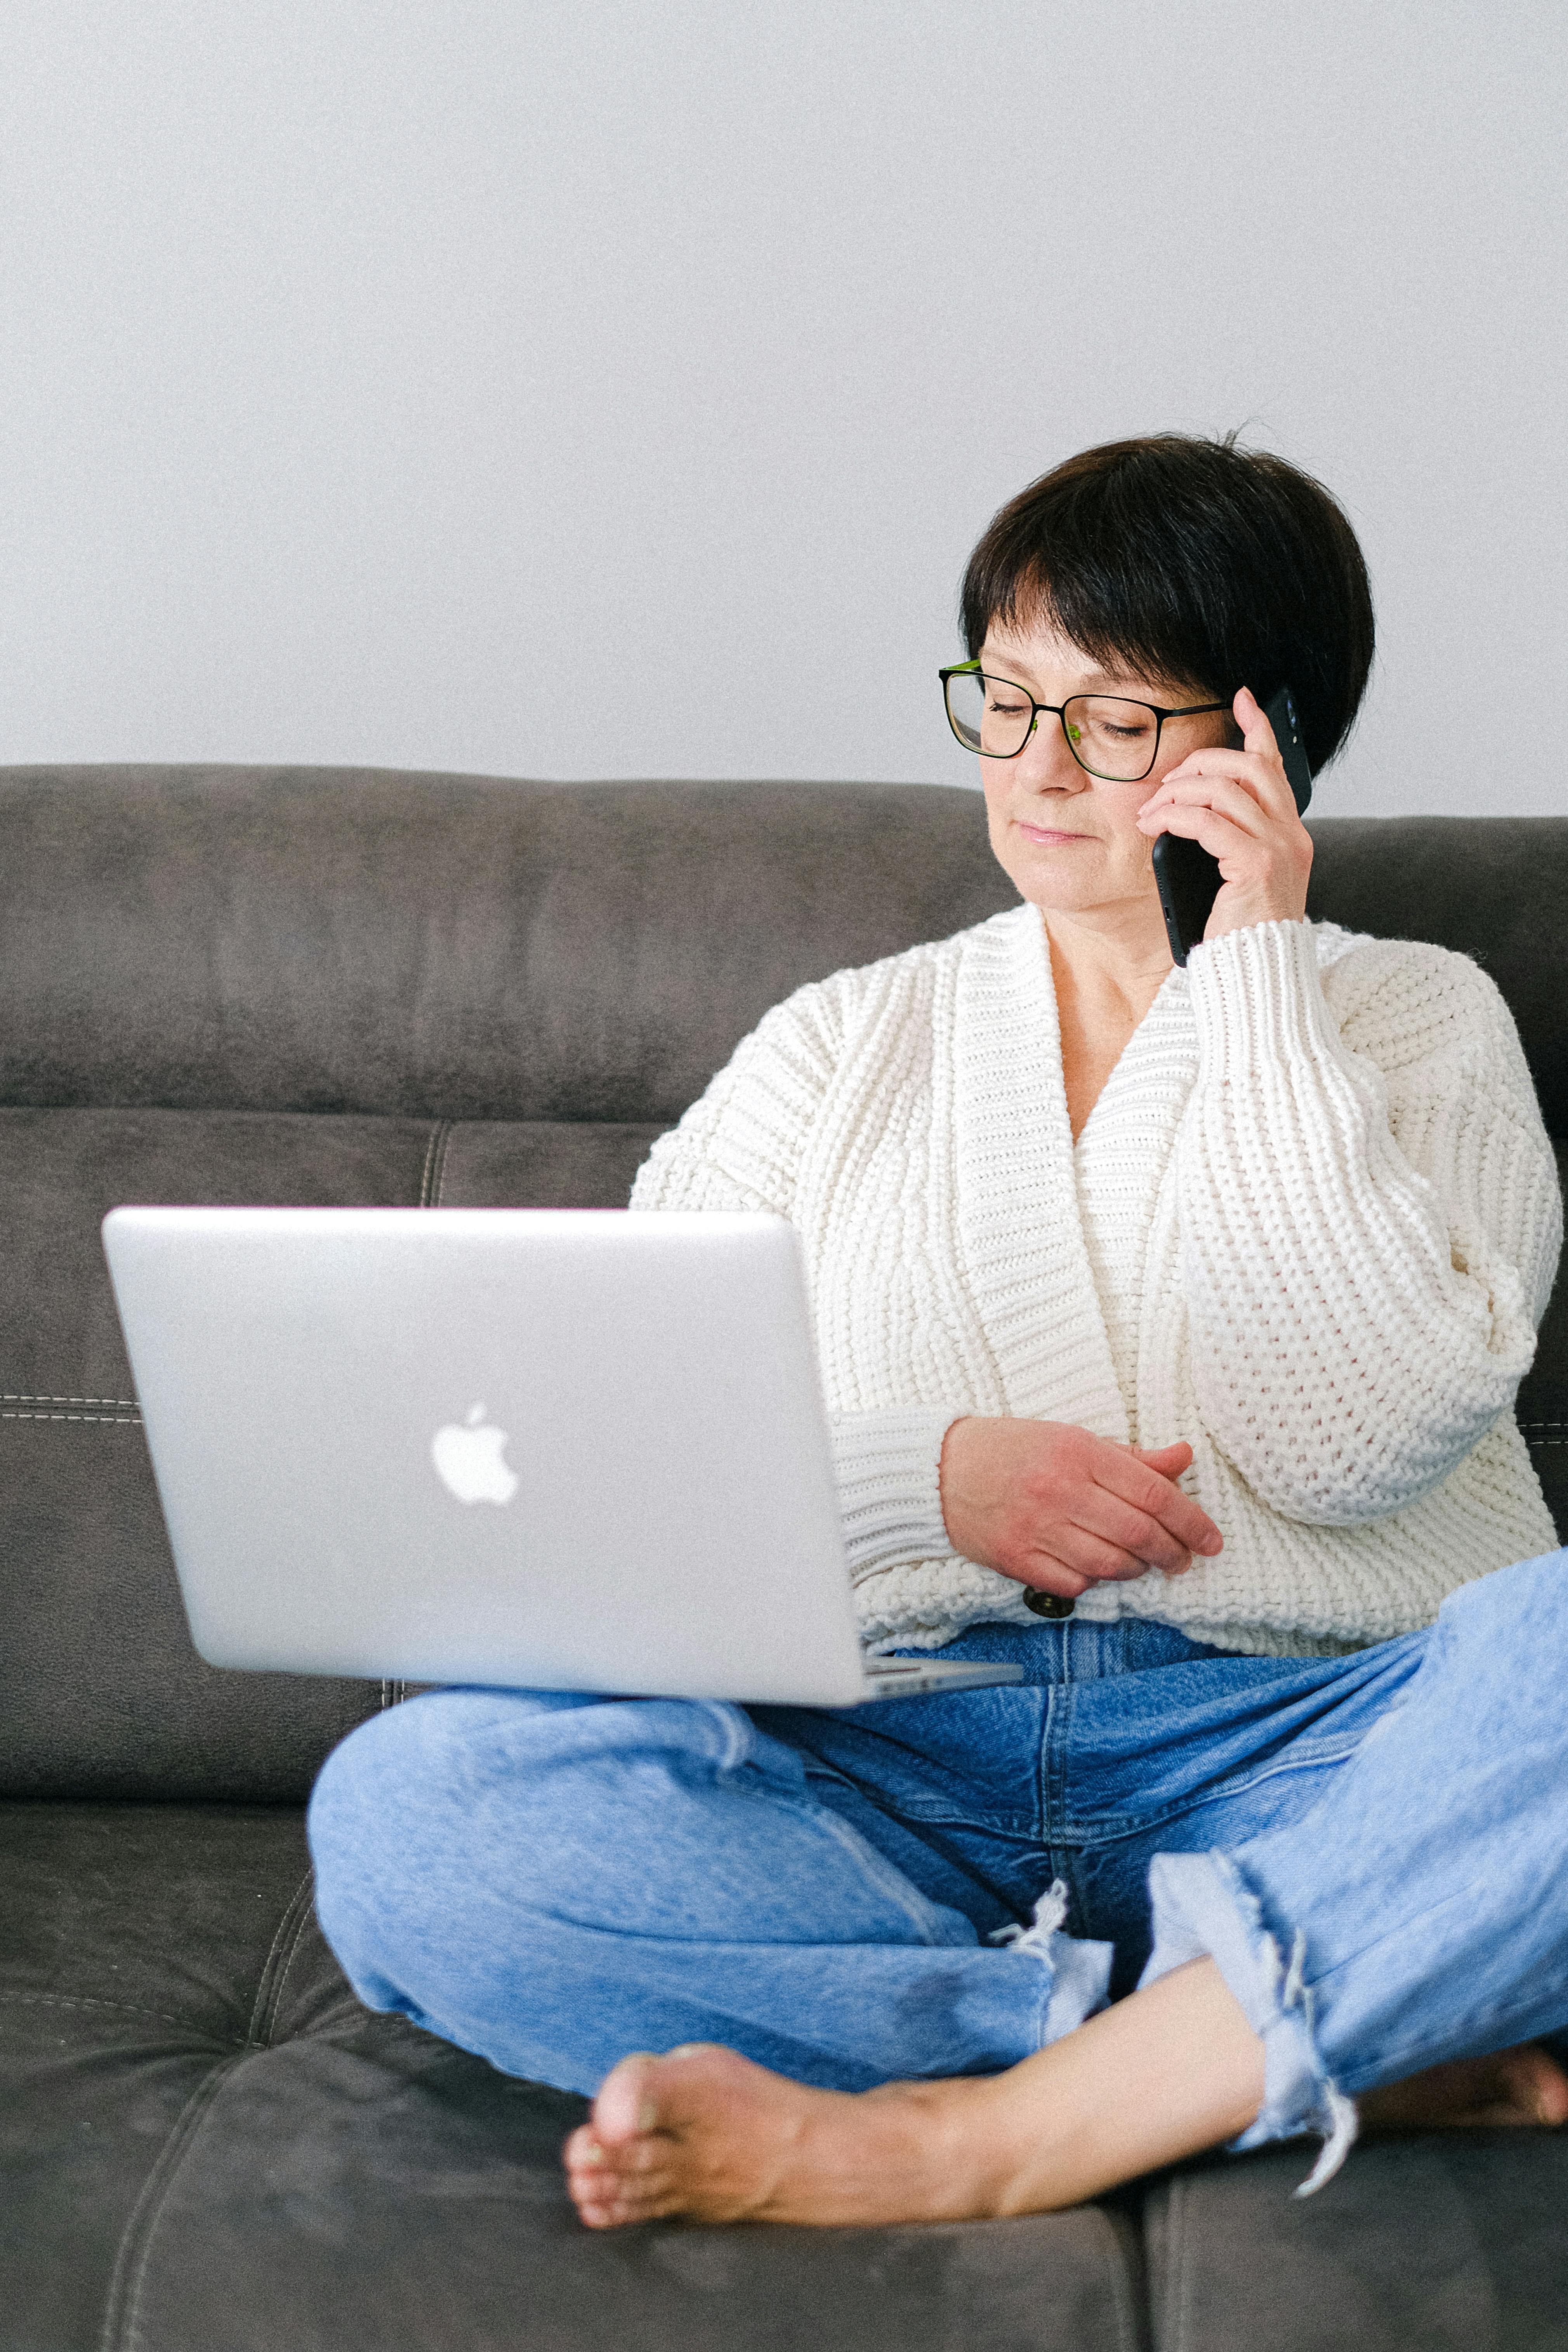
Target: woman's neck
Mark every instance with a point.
(1107, 973)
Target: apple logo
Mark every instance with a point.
(468, 1458)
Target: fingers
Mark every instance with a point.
(1263, 849)
(1058, 1508)
(1187, 803)
(1125, 1476)
(1139, 1536)
(1257, 769)
(1094, 1557)
(1050, 1576)
(1170, 1461)
(1257, 733)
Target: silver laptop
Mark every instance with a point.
(557, 1449)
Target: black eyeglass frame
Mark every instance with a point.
(1059, 711)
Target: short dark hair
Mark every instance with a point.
(1194, 560)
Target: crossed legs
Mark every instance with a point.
(1416, 1959)
(1171, 2071)
(553, 1885)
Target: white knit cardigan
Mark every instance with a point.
(1310, 1227)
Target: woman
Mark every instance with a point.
(1170, 1324)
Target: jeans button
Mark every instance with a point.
(1049, 1605)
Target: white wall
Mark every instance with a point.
(580, 388)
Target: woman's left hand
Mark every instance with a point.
(1239, 807)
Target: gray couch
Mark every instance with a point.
(246, 985)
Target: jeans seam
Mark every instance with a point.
(1054, 1765)
(740, 1733)
(1109, 1830)
(737, 1730)
(886, 1876)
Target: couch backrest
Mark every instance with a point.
(262, 985)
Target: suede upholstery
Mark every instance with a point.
(248, 985)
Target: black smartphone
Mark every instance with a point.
(1187, 878)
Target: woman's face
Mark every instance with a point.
(1070, 841)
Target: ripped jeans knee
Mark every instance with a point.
(1204, 1909)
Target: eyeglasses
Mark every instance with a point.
(1107, 735)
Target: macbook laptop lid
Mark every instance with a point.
(564, 1449)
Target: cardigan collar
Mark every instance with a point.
(1022, 1239)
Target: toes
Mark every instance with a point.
(1537, 2085)
(618, 2164)
(684, 2133)
(582, 2149)
(610, 2203)
(623, 2216)
(613, 2186)
(626, 2103)
(584, 2154)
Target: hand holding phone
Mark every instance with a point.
(1187, 879)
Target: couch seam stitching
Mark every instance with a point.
(435, 1164)
(22, 1396)
(440, 1168)
(275, 1966)
(290, 1956)
(120, 2319)
(120, 2008)
(424, 1170)
(1130, 2331)
(1184, 2281)
(1169, 2327)
(106, 1420)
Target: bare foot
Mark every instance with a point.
(1523, 2086)
(705, 2133)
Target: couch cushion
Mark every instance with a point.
(1453, 2241)
(441, 946)
(139, 1950)
(101, 1692)
(1493, 887)
(468, 947)
(540, 1163)
(206, 2141)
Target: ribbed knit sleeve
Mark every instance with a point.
(741, 1147)
(1370, 1217)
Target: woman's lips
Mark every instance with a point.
(1046, 836)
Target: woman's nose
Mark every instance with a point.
(1044, 763)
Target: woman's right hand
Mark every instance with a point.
(1057, 1508)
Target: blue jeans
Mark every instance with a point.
(1373, 1849)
